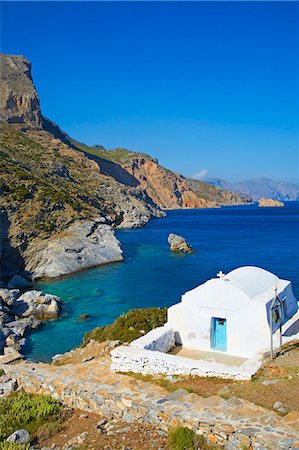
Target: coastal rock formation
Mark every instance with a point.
(168, 190)
(218, 196)
(20, 313)
(19, 102)
(179, 244)
(264, 202)
(83, 245)
(36, 304)
(50, 182)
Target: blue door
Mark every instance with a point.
(219, 334)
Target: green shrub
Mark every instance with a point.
(182, 438)
(22, 410)
(13, 446)
(129, 326)
(2, 372)
(20, 193)
(44, 226)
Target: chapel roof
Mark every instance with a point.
(253, 281)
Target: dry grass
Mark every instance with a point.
(282, 373)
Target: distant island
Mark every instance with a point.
(260, 187)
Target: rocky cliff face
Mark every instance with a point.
(48, 187)
(51, 184)
(167, 189)
(19, 102)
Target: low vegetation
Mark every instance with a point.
(129, 326)
(13, 446)
(277, 380)
(182, 438)
(23, 410)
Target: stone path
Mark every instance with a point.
(92, 387)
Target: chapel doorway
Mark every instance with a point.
(218, 336)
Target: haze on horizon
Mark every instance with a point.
(208, 88)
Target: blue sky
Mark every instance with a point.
(207, 87)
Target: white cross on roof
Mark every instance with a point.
(220, 274)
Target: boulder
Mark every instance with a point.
(83, 245)
(179, 244)
(7, 386)
(21, 326)
(35, 303)
(8, 296)
(264, 202)
(19, 282)
(19, 437)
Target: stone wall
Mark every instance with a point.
(148, 355)
(231, 423)
(130, 359)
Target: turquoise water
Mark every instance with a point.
(151, 275)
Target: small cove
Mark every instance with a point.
(151, 275)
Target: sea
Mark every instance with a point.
(150, 275)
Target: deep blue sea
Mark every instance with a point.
(151, 275)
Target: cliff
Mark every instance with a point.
(19, 102)
(52, 185)
(168, 190)
(49, 188)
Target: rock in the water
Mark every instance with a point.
(19, 437)
(18, 282)
(269, 202)
(83, 317)
(83, 245)
(179, 244)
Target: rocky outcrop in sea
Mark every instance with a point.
(179, 244)
(264, 202)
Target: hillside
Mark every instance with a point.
(47, 187)
(217, 195)
(168, 190)
(60, 198)
(260, 187)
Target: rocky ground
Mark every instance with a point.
(92, 431)
(84, 381)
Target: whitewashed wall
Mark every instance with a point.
(247, 324)
(130, 359)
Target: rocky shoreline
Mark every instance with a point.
(83, 245)
(23, 310)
